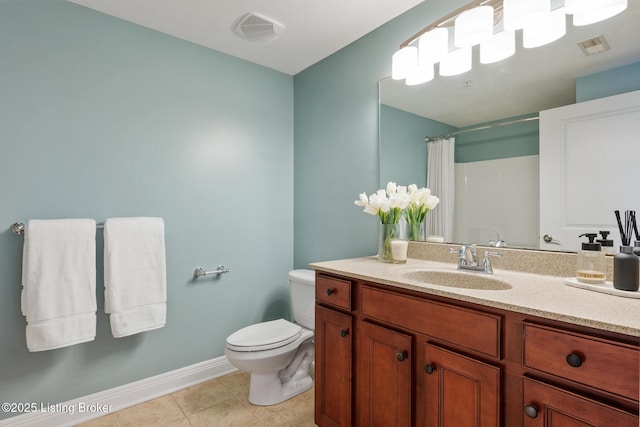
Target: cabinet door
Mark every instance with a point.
(384, 377)
(333, 368)
(460, 391)
(548, 406)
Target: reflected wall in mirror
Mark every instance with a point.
(496, 169)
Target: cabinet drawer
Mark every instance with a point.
(546, 405)
(471, 329)
(595, 362)
(336, 292)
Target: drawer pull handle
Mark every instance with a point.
(531, 411)
(330, 291)
(344, 332)
(429, 368)
(402, 356)
(574, 360)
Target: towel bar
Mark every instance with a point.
(198, 272)
(18, 227)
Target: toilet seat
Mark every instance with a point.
(264, 336)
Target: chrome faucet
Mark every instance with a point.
(468, 258)
(498, 243)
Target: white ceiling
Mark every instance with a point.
(313, 29)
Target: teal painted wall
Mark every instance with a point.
(403, 150)
(101, 118)
(608, 83)
(516, 140)
(336, 139)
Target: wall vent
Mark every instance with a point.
(258, 28)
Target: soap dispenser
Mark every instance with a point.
(591, 262)
(607, 244)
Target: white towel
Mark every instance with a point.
(59, 282)
(135, 283)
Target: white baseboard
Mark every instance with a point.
(86, 408)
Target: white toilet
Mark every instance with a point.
(278, 353)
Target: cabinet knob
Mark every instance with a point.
(574, 360)
(429, 368)
(330, 291)
(531, 411)
(402, 356)
(344, 332)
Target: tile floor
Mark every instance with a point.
(218, 402)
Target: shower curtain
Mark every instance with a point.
(440, 180)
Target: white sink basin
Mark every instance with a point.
(458, 280)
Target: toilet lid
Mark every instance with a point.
(264, 336)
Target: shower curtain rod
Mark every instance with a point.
(429, 139)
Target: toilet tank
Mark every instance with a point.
(303, 297)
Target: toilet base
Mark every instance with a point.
(267, 389)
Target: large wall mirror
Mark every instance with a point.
(496, 168)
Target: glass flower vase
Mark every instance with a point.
(416, 231)
(392, 246)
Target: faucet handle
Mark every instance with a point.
(473, 249)
(461, 251)
(486, 264)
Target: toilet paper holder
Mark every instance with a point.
(199, 272)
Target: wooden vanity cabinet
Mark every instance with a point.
(386, 356)
(452, 387)
(333, 352)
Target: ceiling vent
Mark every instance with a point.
(257, 28)
(593, 46)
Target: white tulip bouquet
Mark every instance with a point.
(387, 204)
(394, 202)
(420, 202)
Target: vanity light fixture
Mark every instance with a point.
(539, 24)
(403, 61)
(433, 46)
(592, 11)
(521, 13)
(545, 31)
(501, 46)
(456, 62)
(420, 74)
(473, 26)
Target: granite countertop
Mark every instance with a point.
(535, 294)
